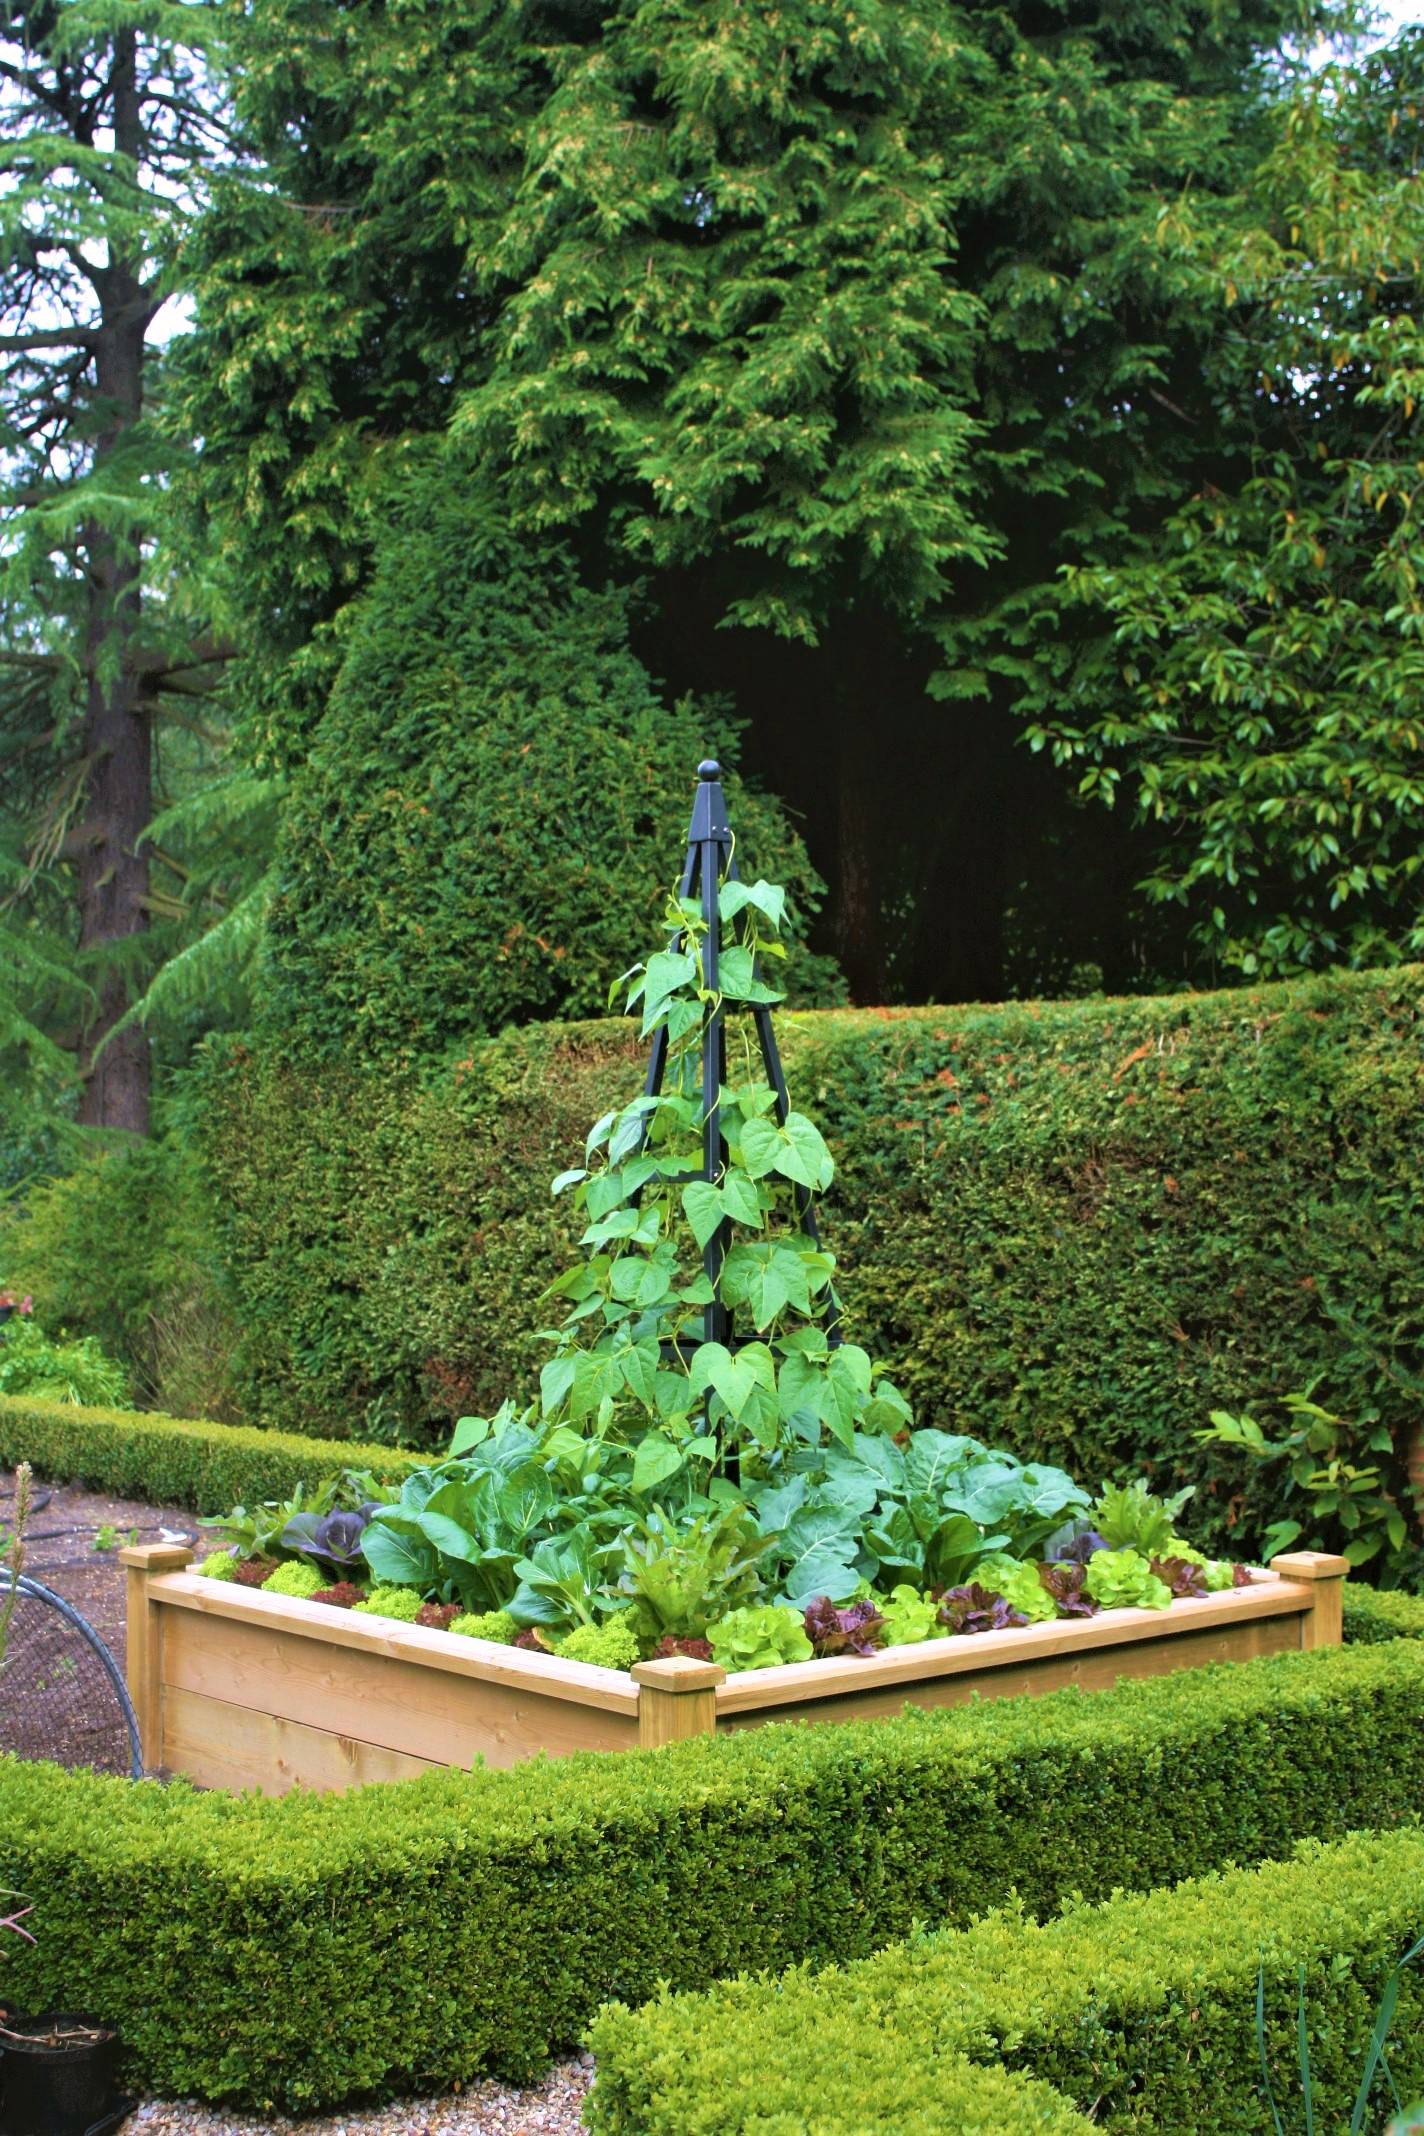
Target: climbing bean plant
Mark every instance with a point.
(631, 1360)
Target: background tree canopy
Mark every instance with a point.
(847, 332)
(965, 415)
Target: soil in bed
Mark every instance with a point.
(54, 1698)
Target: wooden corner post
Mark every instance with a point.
(677, 1699)
(145, 1639)
(1323, 1623)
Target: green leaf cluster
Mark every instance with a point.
(759, 1636)
(1124, 1579)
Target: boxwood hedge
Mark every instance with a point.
(313, 1948)
(1373, 1615)
(178, 1461)
(1142, 2010)
(1072, 1228)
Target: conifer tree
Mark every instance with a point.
(108, 114)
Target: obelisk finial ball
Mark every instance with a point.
(709, 768)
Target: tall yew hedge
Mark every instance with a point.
(1072, 1228)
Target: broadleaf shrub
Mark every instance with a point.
(1140, 2010)
(1072, 1230)
(460, 1921)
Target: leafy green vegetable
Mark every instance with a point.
(613, 1645)
(759, 1637)
(1020, 1586)
(493, 1624)
(680, 1579)
(564, 1581)
(1130, 1517)
(1124, 1579)
(300, 1581)
(402, 1603)
(910, 1616)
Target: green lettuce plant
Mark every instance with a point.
(1124, 1579)
(493, 1624)
(402, 1603)
(680, 1579)
(613, 1645)
(1130, 1517)
(759, 1637)
(299, 1581)
(1019, 1585)
(910, 1616)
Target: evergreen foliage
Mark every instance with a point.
(842, 326)
(548, 1890)
(110, 117)
(485, 816)
(1139, 2011)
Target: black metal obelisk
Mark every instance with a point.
(710, 862)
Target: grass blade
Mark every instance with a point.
(1384, 2018)
(1302, 2041)
(1261, 2048)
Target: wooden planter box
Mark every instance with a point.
(239, 1689)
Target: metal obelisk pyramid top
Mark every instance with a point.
(710, 862)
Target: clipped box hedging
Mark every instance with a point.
(1374, 1614)
(463, 1921)
(1073, 1228)
(1141, 2010)
(180, 1461)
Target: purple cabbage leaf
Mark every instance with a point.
(329, 1538)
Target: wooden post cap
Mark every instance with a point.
(679, 1672)
(1310, 1565)
(156, 1557)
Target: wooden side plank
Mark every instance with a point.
(1089, 1670)
(220, 1745)
(611, 1690)
(442, 1718)
(901, 1667)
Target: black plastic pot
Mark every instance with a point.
(51, 2085)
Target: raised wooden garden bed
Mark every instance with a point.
(240, 1689)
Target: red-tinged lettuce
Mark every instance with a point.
(671, 1645)
(1181, 1575)
(1241, 1575)
(974, 1609)
(851, 1628)
(1063, 1583)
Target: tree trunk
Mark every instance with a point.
(118, 725)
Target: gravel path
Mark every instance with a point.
(553, 2108)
